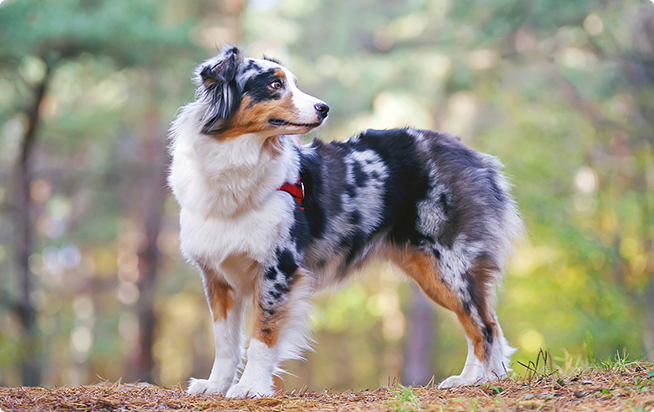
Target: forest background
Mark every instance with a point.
(93, 286)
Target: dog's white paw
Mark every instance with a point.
(241, 390)
(457, 380)
(206, 387)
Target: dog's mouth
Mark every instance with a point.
(280, 122)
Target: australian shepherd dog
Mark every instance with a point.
(269, 222)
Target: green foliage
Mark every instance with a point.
(130, 32)
(405, 400)
(590, 352)
(541, 368)
(619, 362)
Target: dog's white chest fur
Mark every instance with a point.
(212, 240)
(227, 192)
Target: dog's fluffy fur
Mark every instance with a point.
(435, 208)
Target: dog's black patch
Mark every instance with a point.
(354, 218)
(257, 87)
(221, 90)
(488, 334)
(271, 273)
(252, 65)
(406, 185)
(275, 295)
(222, 71)
(267, 310)
(466, 307)
(352, 243)
(313, 191)
(323, 173)
(335, 171)
(360, 177)
(300, 231)
(428, 239)
(286, 264)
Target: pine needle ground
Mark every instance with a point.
(615, 387)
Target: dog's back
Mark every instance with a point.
(392, 189)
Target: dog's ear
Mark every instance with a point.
(219, 88)
(222, 70)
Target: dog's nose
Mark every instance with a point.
(322, 109)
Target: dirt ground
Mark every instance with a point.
(630, 388)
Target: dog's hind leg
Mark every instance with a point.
(280, 331)
(227, 312)
(469, 295)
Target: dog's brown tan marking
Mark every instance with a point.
(253, 117)
(268, 322)
(421, 266)
(480, 280)
(220, 294)
(220, 298)
(269, 319)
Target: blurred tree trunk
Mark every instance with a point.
(420, 340)
(637, 65)
(152, 190)
(30, 356)
(228, 13)
(649, 334)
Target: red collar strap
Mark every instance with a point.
(295, 189)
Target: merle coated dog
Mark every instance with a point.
(269, 222)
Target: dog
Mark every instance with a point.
(269, 222)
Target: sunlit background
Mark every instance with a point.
(93, 286)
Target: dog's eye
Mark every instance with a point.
(276, 85)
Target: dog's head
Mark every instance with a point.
(259, 96)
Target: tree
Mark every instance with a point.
(130, 34)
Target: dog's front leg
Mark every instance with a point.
(280, 307)
(227, 311)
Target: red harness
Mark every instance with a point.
(295, 189)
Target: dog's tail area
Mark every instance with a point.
(512, 229)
